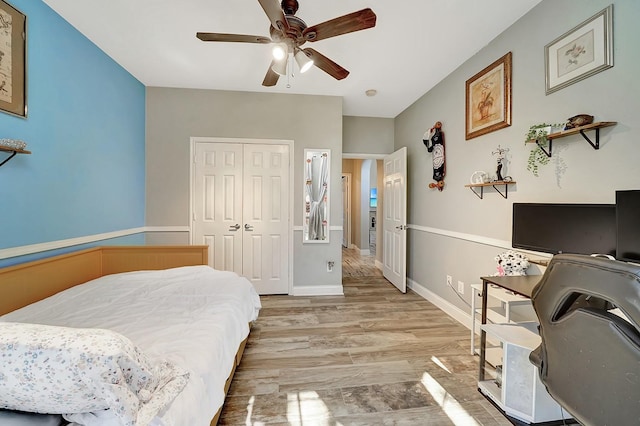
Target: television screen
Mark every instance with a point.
(628, 223)
(565, 228)
(373, 199)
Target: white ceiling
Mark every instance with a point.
(414, 45)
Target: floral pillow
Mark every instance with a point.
(61, 370)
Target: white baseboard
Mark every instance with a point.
(365, 252)
(450, 309)
(317, 291)
(379, 265)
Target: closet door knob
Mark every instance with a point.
(248, 227)
(234, 227)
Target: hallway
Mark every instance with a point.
(356, 265)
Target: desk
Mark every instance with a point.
(522, 285)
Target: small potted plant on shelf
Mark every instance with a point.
(538, 133)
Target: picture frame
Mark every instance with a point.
(13, 76)
(581, 52)
(488, 99)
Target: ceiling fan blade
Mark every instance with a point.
(239, 38)
(326, 64)
(275, 14)
(271, 78)
(355, 21)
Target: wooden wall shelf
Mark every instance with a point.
(581, 130)
(13, 153)
(483, 185)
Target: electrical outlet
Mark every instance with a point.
(449, 281)
(330, 265)
(460, 287)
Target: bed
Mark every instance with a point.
(176, 325)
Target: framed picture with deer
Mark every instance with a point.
(488, 99)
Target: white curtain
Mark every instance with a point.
(317, 175)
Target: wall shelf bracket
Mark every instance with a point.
(542, 148)
(13, 154)
(481, 194)
(506, 190)
(595, 145)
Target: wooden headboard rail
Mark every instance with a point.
(29, 282)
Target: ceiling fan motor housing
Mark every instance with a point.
(294, 33)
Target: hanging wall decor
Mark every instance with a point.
(580, 53)
(488, 99)
(433, 139)
(13, 80)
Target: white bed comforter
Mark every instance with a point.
(195, 317)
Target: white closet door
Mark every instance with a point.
(218, 187)
(266, 217)
(241, 210)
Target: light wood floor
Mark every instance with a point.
(355, 265)
(373, 357)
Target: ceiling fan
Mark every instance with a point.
(289, 33)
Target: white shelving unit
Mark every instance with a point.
(506, 300)
(517, 390)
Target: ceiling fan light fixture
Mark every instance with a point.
(279, 51)
(280, 67)
(304, 62)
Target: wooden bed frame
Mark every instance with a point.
(29, 282)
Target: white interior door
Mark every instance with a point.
(241, 210)
(394, 266)
(346, 210)
(217, 209)
(266, 213)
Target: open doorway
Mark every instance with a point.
(362, 200)
(346, 209)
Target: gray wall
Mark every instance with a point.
(175, 115)
(367, 135)
(454, 232)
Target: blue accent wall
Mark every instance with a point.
(86, 131)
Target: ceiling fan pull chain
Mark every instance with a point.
(290, 73)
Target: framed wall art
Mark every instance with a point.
(13, 38)
(581, 52)
(488, 99)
